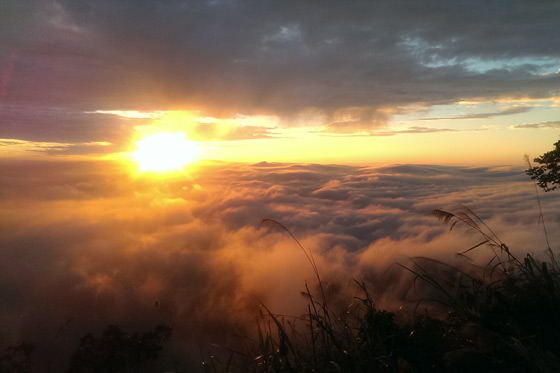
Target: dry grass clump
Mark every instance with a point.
(500, 316)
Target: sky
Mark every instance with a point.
(346, 122)
(472, 83)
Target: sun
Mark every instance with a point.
(165, 151)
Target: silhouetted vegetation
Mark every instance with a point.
(17, 358)
(503, 316)
(118, 351)
(547, 176)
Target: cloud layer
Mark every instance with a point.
(86, 242)
(352, 64)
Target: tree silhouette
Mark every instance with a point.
(117, 351)
(16, 358)
(547, 176)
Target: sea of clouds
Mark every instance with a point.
(87, 244)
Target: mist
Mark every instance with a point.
(87, 244)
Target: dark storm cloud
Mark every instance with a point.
(217, 132)
(276, 57)
(510, 111)
(63, 125)
(547, 125)
(385, 132)
(417, 129)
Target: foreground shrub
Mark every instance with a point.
(118, 351)
(502, 316)
(16, 358)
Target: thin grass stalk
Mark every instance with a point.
(451, 303)
(312, 332)
(282, 332)
(314, 318)
(553, 261)
(309, 255)
(369, 308)
(467, 217)
(472, 213)
(202, 357)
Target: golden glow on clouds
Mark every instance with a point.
(206, 128)
(459, 133)
(165, 151)
(15, 148)
(130, 114)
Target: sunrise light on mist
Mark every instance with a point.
(259, 186)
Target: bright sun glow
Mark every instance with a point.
(165, 151)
